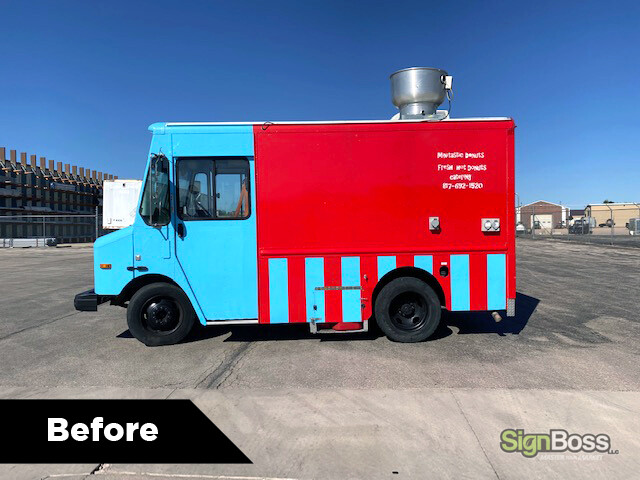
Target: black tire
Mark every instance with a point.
(407, 310)
(160, 314)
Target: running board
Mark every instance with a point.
(313, 327)
(238, 321)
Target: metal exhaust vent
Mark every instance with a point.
(418, 91)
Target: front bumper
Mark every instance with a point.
(88, 301)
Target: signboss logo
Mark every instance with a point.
(556, 441)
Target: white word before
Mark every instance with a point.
(58, 431)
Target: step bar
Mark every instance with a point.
(313, 327)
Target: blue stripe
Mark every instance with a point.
(278, 291)
(351, 311)
(460, 297)
(496, 281)
(385, 265)
(220, 140)
(314, 277)
(424, 262)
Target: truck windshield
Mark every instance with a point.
(154, 208)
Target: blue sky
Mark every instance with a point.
(81, 81)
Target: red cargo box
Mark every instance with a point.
(343, 206)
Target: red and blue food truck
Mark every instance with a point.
(334, 224)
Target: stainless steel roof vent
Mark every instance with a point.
(418, 91)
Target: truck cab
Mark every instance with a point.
(192, 246)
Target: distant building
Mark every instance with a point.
(575, 214)
(544, 215)
(40, 199)
(620, 213)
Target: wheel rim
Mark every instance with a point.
(161, 315)
(408, 311)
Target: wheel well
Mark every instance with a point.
(409, 272)
(136, 284)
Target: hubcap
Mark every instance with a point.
(161, 315)
(408, 311)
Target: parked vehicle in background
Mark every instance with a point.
(583, 225)
(120, 200)
(607, 224)
(634, 226)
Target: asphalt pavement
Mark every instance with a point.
(354, 405)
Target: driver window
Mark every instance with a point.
(194, 188)
(212, 189)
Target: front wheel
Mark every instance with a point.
(160, 314)
(407, 310)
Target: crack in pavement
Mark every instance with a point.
(208, 372)
(9, 335)
(453, 394)
(100, 468)
(216, 378)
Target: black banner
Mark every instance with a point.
(112, 431)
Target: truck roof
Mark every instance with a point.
(159, 126)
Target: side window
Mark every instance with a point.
(213, 188)
(232, 188)
(195, 199)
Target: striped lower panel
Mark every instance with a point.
(339, 289)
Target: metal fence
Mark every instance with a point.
(602, 224)
(49, 230)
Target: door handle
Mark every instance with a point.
(180, 230)
(140, 269)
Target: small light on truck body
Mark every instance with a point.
(490, 225)
(105, 266)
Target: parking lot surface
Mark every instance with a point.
(354, 405)
(618, 240)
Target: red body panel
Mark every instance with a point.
(296, 290)
(333, 298)
(368, 190)
(478, 273)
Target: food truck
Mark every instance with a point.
(330, 223)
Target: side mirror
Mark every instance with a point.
(153, 193)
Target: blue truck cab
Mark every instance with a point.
(170, 273)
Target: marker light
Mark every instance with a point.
(105, 266)
(490, 225)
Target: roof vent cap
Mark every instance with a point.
(418, 91)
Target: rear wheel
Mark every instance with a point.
(160, 314)
(407, 310)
